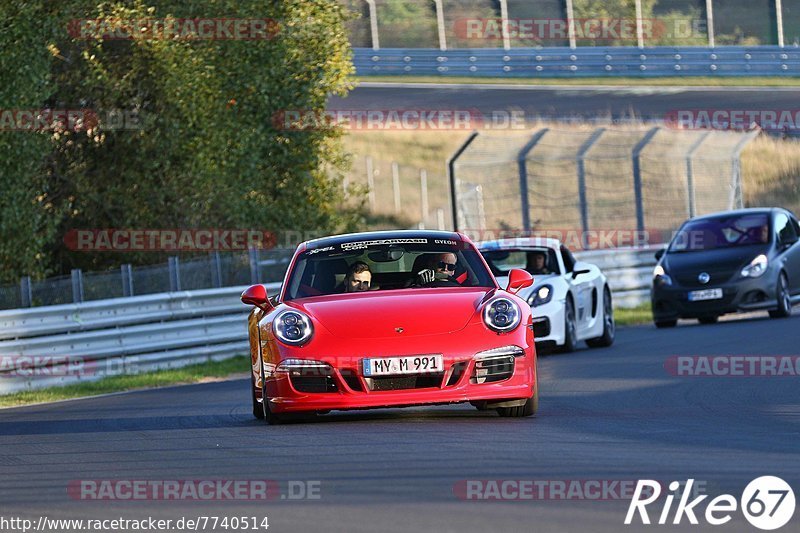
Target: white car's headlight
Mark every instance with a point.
(293, 327)
(661, 277)
(541, 296)
(502, 314)
(756, 268)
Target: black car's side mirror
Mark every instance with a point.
(660, 254)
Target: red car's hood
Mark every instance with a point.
(373, 315)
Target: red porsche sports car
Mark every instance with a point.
(389, 319)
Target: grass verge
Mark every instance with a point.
(700, 81)
(634, 316)
(161, 378)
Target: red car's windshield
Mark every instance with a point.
(369, 265)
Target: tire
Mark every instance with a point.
(570, 329)
(713, 319)
(784, 299)
(661, 324)
(609, 326)
(529, 409)
(258, 409)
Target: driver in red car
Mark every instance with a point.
(439, 268)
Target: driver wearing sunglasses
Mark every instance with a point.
(440, 267)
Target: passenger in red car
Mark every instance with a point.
(359, 277)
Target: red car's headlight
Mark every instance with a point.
(293, 327)
(502, 315)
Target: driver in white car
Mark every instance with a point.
(537, 263)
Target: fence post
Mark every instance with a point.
(690, 192)
(373, 25)
(737, 195)
(522, 165)
(216, 269)
(639, 28)
(25, 293)
(423, 189)
(370, 183)
(571, 23)
(710, 22)
(440, 25)
(396, 186)
(779, 21)
(440, 218)
(637, 178)
(579, 161)
(77, 285)
(174, 274)
(451, 171)
(504, 22)
(127, 279)
(253, 257)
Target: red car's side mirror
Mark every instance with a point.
(257, 296)
(518, 279)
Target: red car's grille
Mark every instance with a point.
(425, 381)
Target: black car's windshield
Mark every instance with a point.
(386, 264)
(721, 232)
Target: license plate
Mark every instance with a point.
(412, 364)
(707, 294)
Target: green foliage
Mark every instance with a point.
(205, 152)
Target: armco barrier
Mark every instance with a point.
(563, 62)
(169, 330)
(64, 344)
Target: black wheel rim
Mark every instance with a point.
(787, 305)
(609, 315)
(571, 324)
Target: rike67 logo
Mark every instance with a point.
(767, 503)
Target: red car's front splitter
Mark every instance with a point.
(285, 398)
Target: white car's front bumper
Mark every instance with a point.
(551, 313)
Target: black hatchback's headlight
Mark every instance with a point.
(293, 327)
(502, 314)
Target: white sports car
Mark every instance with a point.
(570, 299)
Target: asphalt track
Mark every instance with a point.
(618, 103)
(605, 414)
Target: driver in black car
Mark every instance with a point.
(439, 269)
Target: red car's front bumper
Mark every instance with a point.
(345, 387)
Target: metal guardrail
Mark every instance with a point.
(62, 344)
(629, 272)
(65, 344)
(564, 62)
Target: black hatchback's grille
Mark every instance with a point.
(404, 382)
(492, 369)
(716, 277)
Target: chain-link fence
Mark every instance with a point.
(634, 180)
(215, 270)
(409, 196)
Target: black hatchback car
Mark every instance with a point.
(727, 262)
